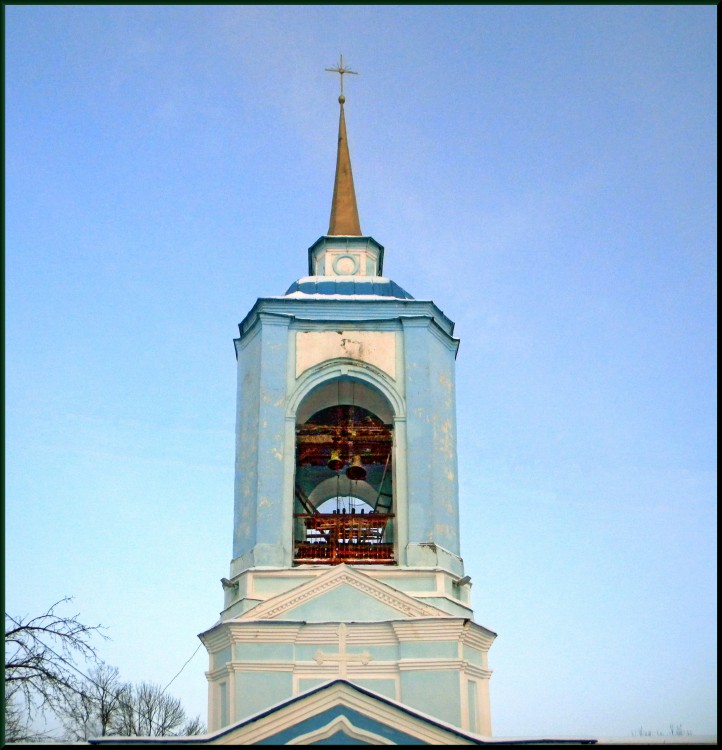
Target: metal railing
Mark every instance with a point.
(333, 538)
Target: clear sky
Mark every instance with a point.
(547, 175)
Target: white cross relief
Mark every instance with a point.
(342, 657)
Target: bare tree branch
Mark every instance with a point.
(90, 714)
(41, 672)
(146, 711)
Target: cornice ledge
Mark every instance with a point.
(261, 666)
(432, 324)
(257, 313)
(434, 629)
(220, 672)
(250, 631)
(216, 638)
(477, 635)
(474, 670)
(430, 664)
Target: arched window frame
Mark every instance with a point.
(372, 376)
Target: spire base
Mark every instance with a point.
(345, 255)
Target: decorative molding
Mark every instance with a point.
(213, 675)
(425, 665)
(283, 633)
(373, 671)
(372, 636)
(226, 634)
(477, 636)
(378, 324)
(433, 629)
(350, 309)
(261, 666)
(275, 318)
(215, 639)
(316, 633)
(474, 670)
(343, 658)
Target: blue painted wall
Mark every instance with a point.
(435, 692)
(260, 443)
(431, 430)
(256, 691)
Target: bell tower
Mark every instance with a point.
(346, 559)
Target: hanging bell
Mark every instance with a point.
(356, 470)
(335, 463)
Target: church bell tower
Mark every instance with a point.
(346, 561)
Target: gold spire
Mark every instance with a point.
(344, 212)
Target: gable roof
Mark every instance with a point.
(338, 712)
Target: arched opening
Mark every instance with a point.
(343, 508)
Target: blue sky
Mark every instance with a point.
(547, 175)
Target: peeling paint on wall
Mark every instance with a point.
(374, 347)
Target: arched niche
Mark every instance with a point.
(344, 449)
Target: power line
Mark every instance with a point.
(181, 669)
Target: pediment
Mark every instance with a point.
(342, 593)
(340, 712)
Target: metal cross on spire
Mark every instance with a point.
(341, 71)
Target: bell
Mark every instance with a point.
(335, 463)
(356, 470)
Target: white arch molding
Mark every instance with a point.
(339, 368)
